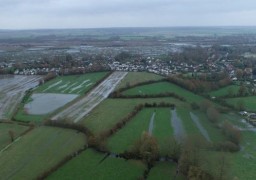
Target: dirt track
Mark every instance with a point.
(81, 108)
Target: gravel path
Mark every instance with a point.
(151, 124)
(81, 108)
(200, 127)
(176, 123)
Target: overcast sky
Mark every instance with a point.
(34, 14)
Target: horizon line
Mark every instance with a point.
(127, 27)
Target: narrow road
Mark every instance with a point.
(200, 127)
(81, 108)
(151, 124)
(176, 123)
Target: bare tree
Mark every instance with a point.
(11, 134)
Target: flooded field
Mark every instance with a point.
(12, 90)
(44, 103)
(77, 111)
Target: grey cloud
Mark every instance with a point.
(92, 13)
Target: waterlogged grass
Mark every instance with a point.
(137, 77)
(90, 165)
(162, 130)
(125, 138)
(163, 87)
(74, 84)
(233, 118)
(5, 138)
(38, 151)
(225, 91)
(249, 102)
(189, 126)
(213, 132)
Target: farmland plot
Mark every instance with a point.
(73, 84)
(93, 165)
(12, 90)
(77, 111)
(38, 151)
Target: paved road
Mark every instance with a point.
(81, 108)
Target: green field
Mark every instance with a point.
(225, 91)
(163, 87)
(37, 151)
(126, 137)
(74, 84)
(23, 116)
(164, 171)
(116, 109)
(137, 77)
(5, 138)
(163, 130)
(249, 102)
(90, 165)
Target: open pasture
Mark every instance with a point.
(248, 102)
(72, 84)
(37, 151)
(92, 165)
(5, 138)
(162, 87)
(225, 91)
(125, 138)
(137, 77)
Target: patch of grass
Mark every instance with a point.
(38, 151)
(162, 87)
(137, 77)
(5, 138)
(88, 165)
(163, 170)
(243, 162)
(162, 129)
(64, 84)
(249, 102)
(22, 116)
(127, 136)
(225, 91)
